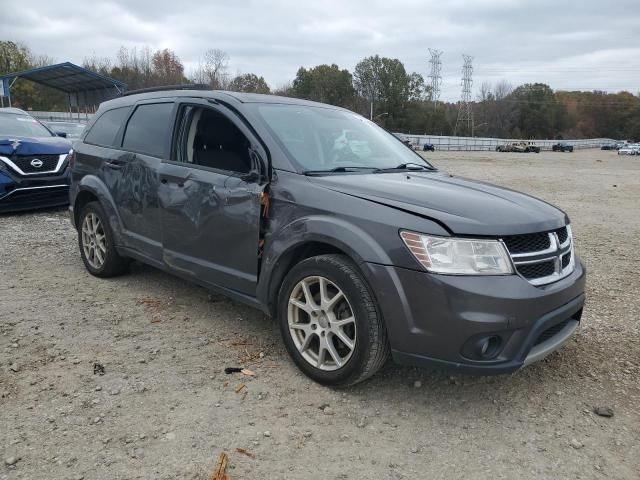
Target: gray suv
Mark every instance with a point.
(354, 243)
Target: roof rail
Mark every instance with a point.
(184, 86)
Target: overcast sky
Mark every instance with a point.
(585, 44)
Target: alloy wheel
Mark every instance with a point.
(94, 241)
(321, 323)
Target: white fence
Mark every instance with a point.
(490, 144)
(62, 116)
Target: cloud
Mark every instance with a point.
(568, 44)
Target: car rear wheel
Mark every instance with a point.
(330, 321)
(95, 240)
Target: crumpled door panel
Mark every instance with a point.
(211, 226)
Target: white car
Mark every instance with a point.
(630, 149)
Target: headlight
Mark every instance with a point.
(458, 256)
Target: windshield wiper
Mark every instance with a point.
(338, 170)
(404, 166)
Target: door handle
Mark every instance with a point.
(115, 164)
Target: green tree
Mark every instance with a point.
(14, 57)
(366, 80)
(326, 84)
(249, 82)
(418, 90)
(387, 87)
(538, 113)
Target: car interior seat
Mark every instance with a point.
(219, 144)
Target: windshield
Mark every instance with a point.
(324, 139)
(21, 126)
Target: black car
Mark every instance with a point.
(359, 247)
(33, 163)
(562, 147)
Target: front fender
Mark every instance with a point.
(359, 245)
(95, 186)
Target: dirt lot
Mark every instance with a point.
(164, 409)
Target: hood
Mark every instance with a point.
(34, 146)
(464, 207)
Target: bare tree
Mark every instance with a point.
(97, 64)
(215, 66)
(502, 89)
(503, 109)
(485, 92)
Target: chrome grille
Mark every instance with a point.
(34, 164)
(544, 257)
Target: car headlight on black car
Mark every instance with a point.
(458, 256)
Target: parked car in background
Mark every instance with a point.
(71, 130)
(611, 146)
(520, 147)
(562, 147)
(33, 163)
(360, 250)
(630, 149)
(428, 147)
(532, 147)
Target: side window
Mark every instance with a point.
(210, 139)
(148, 129)
(106, 127)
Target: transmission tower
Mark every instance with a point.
(465, 112)
(435, 76)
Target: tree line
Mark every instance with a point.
(379, 87)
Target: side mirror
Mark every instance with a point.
(61, 134)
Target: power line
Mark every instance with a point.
(435, 76)
(465, 112)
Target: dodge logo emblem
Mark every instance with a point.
(36, 163)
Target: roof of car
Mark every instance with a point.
(13, 110)
(221, 95)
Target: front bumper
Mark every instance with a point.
(37, 191)
(436, 320)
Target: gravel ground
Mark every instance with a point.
(164, 409)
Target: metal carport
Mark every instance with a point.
(84, 88)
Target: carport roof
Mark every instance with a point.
(69, 78)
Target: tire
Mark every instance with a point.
(111, 264)
(370, 347)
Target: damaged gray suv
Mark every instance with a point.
(355, 244)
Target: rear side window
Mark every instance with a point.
(148, 129)
(106, 128)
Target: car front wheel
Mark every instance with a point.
(330, 321)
